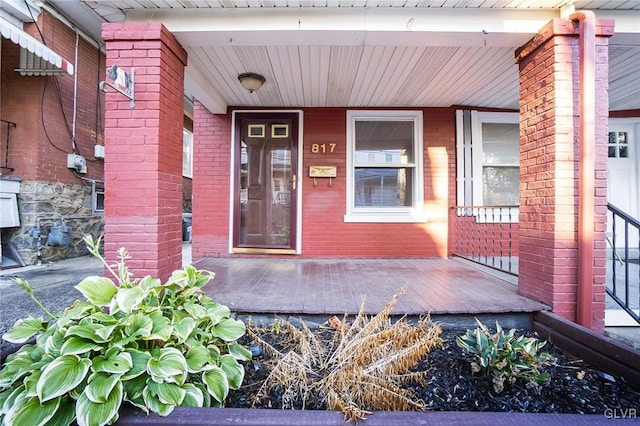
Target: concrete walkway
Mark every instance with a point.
(53, 284)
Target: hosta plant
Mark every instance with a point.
(150, 344)
(505, 358)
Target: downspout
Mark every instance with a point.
(75, 96)
(586, 184)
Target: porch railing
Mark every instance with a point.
(487, 235)
(624, 273)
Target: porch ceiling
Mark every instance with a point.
(365, 53)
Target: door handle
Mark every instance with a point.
(293, 182)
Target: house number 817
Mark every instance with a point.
(322, 147)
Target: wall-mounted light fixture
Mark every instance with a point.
(251, 81)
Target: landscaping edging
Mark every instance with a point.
(262, 417)
(594, 348)
(598, 350)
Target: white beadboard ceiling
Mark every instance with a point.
(365, 53)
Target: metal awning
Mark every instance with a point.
(35, 58)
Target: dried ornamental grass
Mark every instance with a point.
(355, 369)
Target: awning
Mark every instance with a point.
(34, 53)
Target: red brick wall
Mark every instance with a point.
(474, 238)
(549, 156)
(211, 183)
(324, 232)
(143, 166)
(42, 138)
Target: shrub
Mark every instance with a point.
(153, 345)
(352, 368)
(505, 357)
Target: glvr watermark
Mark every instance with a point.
(621, 413)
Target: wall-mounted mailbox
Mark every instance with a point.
(323, 171)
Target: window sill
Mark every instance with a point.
(385, 218)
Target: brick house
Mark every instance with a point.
(51, 169)
(362, 126)
(52, 117)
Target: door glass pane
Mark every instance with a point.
(612, 152)
(383, 187)
(623, 152)
(280, 195)
(618, 145)
(265, 186)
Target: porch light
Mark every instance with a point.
(251, 81)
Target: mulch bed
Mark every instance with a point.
(450, 386)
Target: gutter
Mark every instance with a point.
(586, 184)
(92, 41)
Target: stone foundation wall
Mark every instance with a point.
(49, 203)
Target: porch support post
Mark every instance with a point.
(551, 186)
(143, 144)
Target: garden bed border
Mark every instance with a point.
(600, 351)
(273, 417)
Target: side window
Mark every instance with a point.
(500, 164)
(488, 150)
(384, 161)
(187, 153)
(97, 196)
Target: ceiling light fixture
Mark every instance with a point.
(251, 81)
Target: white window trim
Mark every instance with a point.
(475, 150)
(187, 173)
(414, 214)
(94, 199)
(477, 119)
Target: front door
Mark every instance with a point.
(265, 208)
(622, 183)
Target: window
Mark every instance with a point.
(488, 158)
(500, 164)
(618, 145)
(187, 153)
(384, 161)
(97, 196)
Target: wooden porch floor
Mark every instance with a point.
(337, 286)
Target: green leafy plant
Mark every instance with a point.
(153, 345)
(504, 357)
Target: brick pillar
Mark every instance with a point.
(143, 162)
(549, 178)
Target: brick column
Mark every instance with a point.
(549, 178)
(143, 161)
